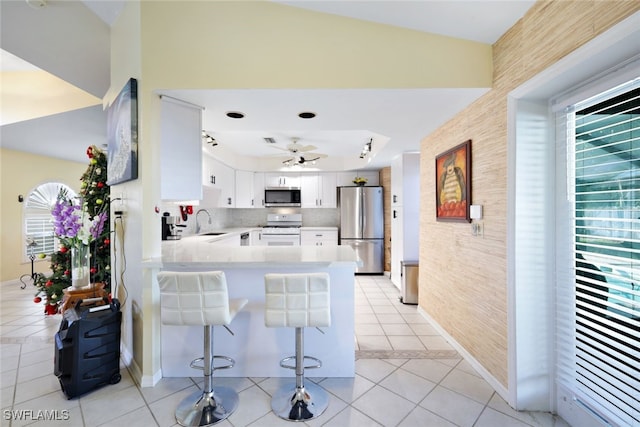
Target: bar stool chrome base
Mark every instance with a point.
(203, 408)
(300, 404)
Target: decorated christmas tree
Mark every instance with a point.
(94, 195)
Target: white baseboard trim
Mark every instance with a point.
(493, 382)
(136, 372)
(151, 380)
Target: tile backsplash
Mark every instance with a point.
(222, 218)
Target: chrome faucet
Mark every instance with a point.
(197, 223)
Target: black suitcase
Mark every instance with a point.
(87, 348)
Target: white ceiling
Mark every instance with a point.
(346, 119)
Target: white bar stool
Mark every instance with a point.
(298, 301)
(201, 298)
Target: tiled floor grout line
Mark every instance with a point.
(369, 293)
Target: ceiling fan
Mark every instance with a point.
(301, 154)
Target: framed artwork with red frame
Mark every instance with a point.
(453, 184)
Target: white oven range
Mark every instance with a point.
(282, 230)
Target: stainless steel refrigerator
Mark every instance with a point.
(362, 225)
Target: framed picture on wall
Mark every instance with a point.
(122, 135)
(453, 184)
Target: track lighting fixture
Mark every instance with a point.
(366, 149)
(208, 139)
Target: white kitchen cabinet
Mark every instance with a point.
(219, 184)
(346, 178)
(282, 179)
(249, 189)
(180, 151)
(321, 236)
(405, 209)
(318, 190)
(244, 191)
(258, 190)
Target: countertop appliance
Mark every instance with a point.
(282, 230)
(282, 196)
(170, 227)
(362, 225)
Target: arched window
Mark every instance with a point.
(38, 224)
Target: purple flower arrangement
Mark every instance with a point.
(72, 223)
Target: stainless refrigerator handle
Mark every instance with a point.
(361, 214)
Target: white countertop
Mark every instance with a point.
(197, 252)
(319, 228)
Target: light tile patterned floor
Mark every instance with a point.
(430, 386)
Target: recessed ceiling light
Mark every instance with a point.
(235, 114)
(307, 115)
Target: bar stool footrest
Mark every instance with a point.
(318, 362)
(196, 363)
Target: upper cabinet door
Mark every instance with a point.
(327, 190)
(258, 190)
(309, 190)
(180, 151)
(282, 179)
(244, 189)
(318, 190)
(219, 180)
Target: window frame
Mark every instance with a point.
(37, 205)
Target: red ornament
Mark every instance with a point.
(67, 273)
(93, 270)
(90, 152)
(100, 184)
(107, 241)
(49, 283)
(37, 299)
(50, 309)
(63, 249)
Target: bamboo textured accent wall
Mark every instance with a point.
(463, 283)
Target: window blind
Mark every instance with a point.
(38, 228)
(603, 365)
(38, 223)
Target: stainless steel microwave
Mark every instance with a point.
(281, 196)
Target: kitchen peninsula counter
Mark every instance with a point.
(257, 349)
(197, 251)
